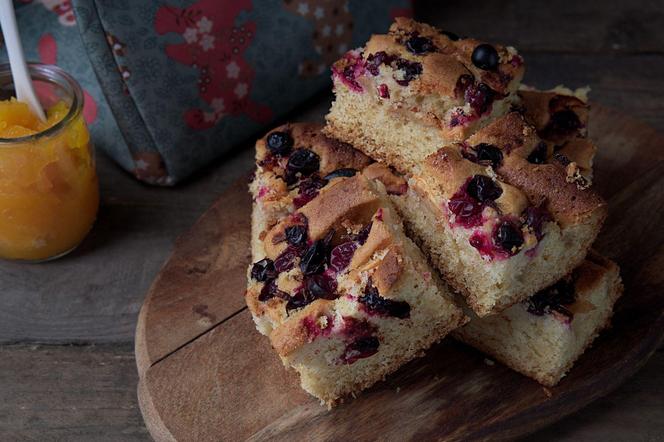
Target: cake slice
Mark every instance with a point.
(497, 219)
(543, 336)
(344, 296)
(415, 89)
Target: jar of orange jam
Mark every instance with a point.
(49, 193)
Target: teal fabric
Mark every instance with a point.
(177, 83)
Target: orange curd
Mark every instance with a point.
(49, 193)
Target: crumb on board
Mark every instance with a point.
(489, 362)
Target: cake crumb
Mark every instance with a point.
(489, 362)
(547, 392)
(398, 390)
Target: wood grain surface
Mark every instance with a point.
(93, 296)
(227, 383)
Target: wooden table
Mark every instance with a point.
(67, 369)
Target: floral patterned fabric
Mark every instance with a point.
(172, 84)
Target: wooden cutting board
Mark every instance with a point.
(207, 375)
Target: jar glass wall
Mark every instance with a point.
(49, 193)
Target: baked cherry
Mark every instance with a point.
(270, 290)
(539, 154)
(479, 97)
(482, 188)
(409, 70)
(280, 143)
(341, 255)
(313, 260)
(263, 270)
(303, 161)
(485, 57)
(362, 347)
(374, 303)
(553, 298)
(489, 154)
(508, 237)
(419, 45)
(534, 218)
(308, 190)
(296, 235)
(363, 234)
(564, 122)
(284, 261)
(320, 286)
(344, 172)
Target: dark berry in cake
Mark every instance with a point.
(383, 91)
(538, 155)
(341, 255)
(345, 172)
(263, 270)
(408, 71)
(463, 83)
(296, 235)
(483, 188)
(376, 304)
(467, 210)
(479, 97)
(360, 348)
(313, 260)
(419, 45)
(485, 57)
(553, 298)
(375, 60)
(270, 291)
(508, 236)
(363, 234)
(451, 35)
(308, 190)
(564, 122)
(280, 143)
(303, 161)
(534, 218)
(300, 299)
(489, 154)
(284, 261)
(320, 286)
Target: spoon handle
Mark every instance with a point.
(25, 91)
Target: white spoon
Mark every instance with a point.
(25, 92)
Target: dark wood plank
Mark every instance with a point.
(72, 393)
(634, 412)
(190, 300)
(37, 399)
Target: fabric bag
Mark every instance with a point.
(171, 85)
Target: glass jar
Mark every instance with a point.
(49, 193)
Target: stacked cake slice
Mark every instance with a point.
(432, 142)
(345, 297)
(543, 336)
(498, 209)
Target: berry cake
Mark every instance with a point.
(560, 117)
(407, 93)
(543, 336)
(498, 219)
(344, 296)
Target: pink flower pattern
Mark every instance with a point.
(215, 47)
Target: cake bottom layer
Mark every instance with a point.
(542, 338)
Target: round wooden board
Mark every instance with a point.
(207, 374)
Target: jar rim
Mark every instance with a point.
(52, 74)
